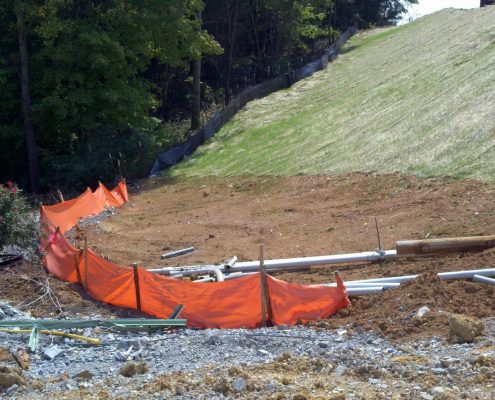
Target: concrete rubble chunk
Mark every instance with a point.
(52, 352)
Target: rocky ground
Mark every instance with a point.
(380, 348)
(273, 363)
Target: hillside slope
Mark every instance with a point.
(416, 99)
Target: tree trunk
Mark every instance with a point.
(196, 89)
(231, 51)
(34, 172)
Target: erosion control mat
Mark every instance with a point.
(231, 304)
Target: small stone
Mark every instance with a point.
(425, 396)
(125, 344)
(464, 329)
(340, 370)
(448, 362)
(438, 390)
(373, 381)
(423, 311)
(239, 385)
(262, 353)
(286, 381)
(84, 375)
(323, 345)
(11, 389)
(52, 352)
(9, 377)
(132, 368)
(439, 371)
(300, 396)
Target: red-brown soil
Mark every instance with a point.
(306, 216)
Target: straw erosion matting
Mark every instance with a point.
(305, 216)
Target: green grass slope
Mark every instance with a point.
(416, 99)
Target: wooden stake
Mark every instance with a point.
(136, 285)
(262, 287)
(78, 272)
(85, 263)
(60, 196)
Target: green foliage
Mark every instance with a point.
(90, 90)
(17, 224)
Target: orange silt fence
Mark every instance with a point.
(230, 304)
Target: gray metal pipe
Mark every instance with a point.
(483, 279)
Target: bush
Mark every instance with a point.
(18, 225)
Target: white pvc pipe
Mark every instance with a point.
(229, 264)
(392, 279)
(466, 274)
(177, 252)
(385, 286)
(356, 291)
(202, 280)
(319, 260)
(236, 275)
(248, 266)
(483, 279)
(218, 275)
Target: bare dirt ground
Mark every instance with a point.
(293, 217)
(306, 216)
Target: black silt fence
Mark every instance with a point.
(219, 119)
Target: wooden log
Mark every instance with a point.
(136, 286)
(443, 246)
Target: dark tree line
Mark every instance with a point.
(91, 89)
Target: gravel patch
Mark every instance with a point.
(361, 361)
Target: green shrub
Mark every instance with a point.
(18, 225)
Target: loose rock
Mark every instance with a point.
(464, 329)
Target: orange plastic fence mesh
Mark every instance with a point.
(230, 304)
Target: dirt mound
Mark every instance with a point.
(395, 312)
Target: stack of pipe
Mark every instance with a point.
(279, 264)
